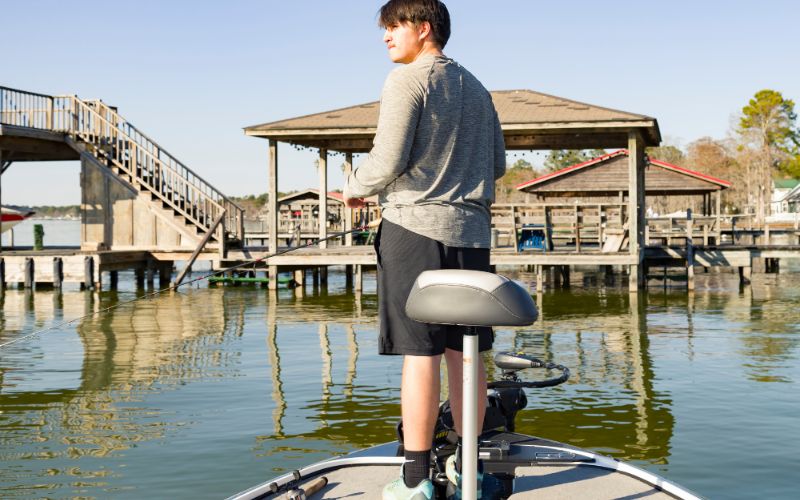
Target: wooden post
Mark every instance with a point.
(150, 273)
(315, 276)
(600, 220)
(113, 279)
(139, 274)
(577, 229)
(359, 275)
(58, 272)
(766, 234)
(323, 197)
(539, 279)
(323, 275)
(745, 275)
(29, 272)
(299, 282)
(88, 272)
(164, 274)
(548, 229)
(718, 195)
(636, 190)
(348, 212)
(2, 274)
(514, 228)
(689, 250)
(272, 271)
(348, 276)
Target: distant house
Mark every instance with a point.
(785, 196)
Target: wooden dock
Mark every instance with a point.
(739, 249)
(143, 210)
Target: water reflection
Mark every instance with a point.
(87, 399)
(277, 380)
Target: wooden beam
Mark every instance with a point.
(272, 243)
(323, 197)
(273, 196)
(636, 220)
(197, 250)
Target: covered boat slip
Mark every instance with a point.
(543, 469)
(530, 121)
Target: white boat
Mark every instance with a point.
(11, 216)
(515, 466)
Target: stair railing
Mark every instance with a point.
(127, 148)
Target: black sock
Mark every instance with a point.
(417, 467)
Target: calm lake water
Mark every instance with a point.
(202, 393)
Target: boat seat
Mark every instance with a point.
(470, 298)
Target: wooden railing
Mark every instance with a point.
(570, 225)
(118, 144)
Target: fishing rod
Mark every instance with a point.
(172, 287)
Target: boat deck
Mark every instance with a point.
(553, 482)
(530, 467)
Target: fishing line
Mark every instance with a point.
(175, 287)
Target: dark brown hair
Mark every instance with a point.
(416, 12)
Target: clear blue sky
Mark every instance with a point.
(191, 74)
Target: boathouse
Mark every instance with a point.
(530, 121)
(298, 214)
(588, 202)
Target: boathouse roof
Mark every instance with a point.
(529, 119)
(608, 174)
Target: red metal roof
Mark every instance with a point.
(600, 159)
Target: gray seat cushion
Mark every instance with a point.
(471, 298)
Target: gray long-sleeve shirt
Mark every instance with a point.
(436, 153)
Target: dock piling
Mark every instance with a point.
(88, 273)
(359, 278)
(272, 275)
(29, 272)
(58, 272)
(139, 276)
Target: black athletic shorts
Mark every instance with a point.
(402, 256)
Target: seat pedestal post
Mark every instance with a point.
(469, 415)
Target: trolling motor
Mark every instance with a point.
(478, 299)
(505, 398)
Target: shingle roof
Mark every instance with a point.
(519, 111)
(513, 107)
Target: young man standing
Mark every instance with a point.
(436, 154)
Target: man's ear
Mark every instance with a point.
(424, 30)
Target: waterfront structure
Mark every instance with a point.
(591, 197)
(530, 121)
(298, 216)
(143, 209)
